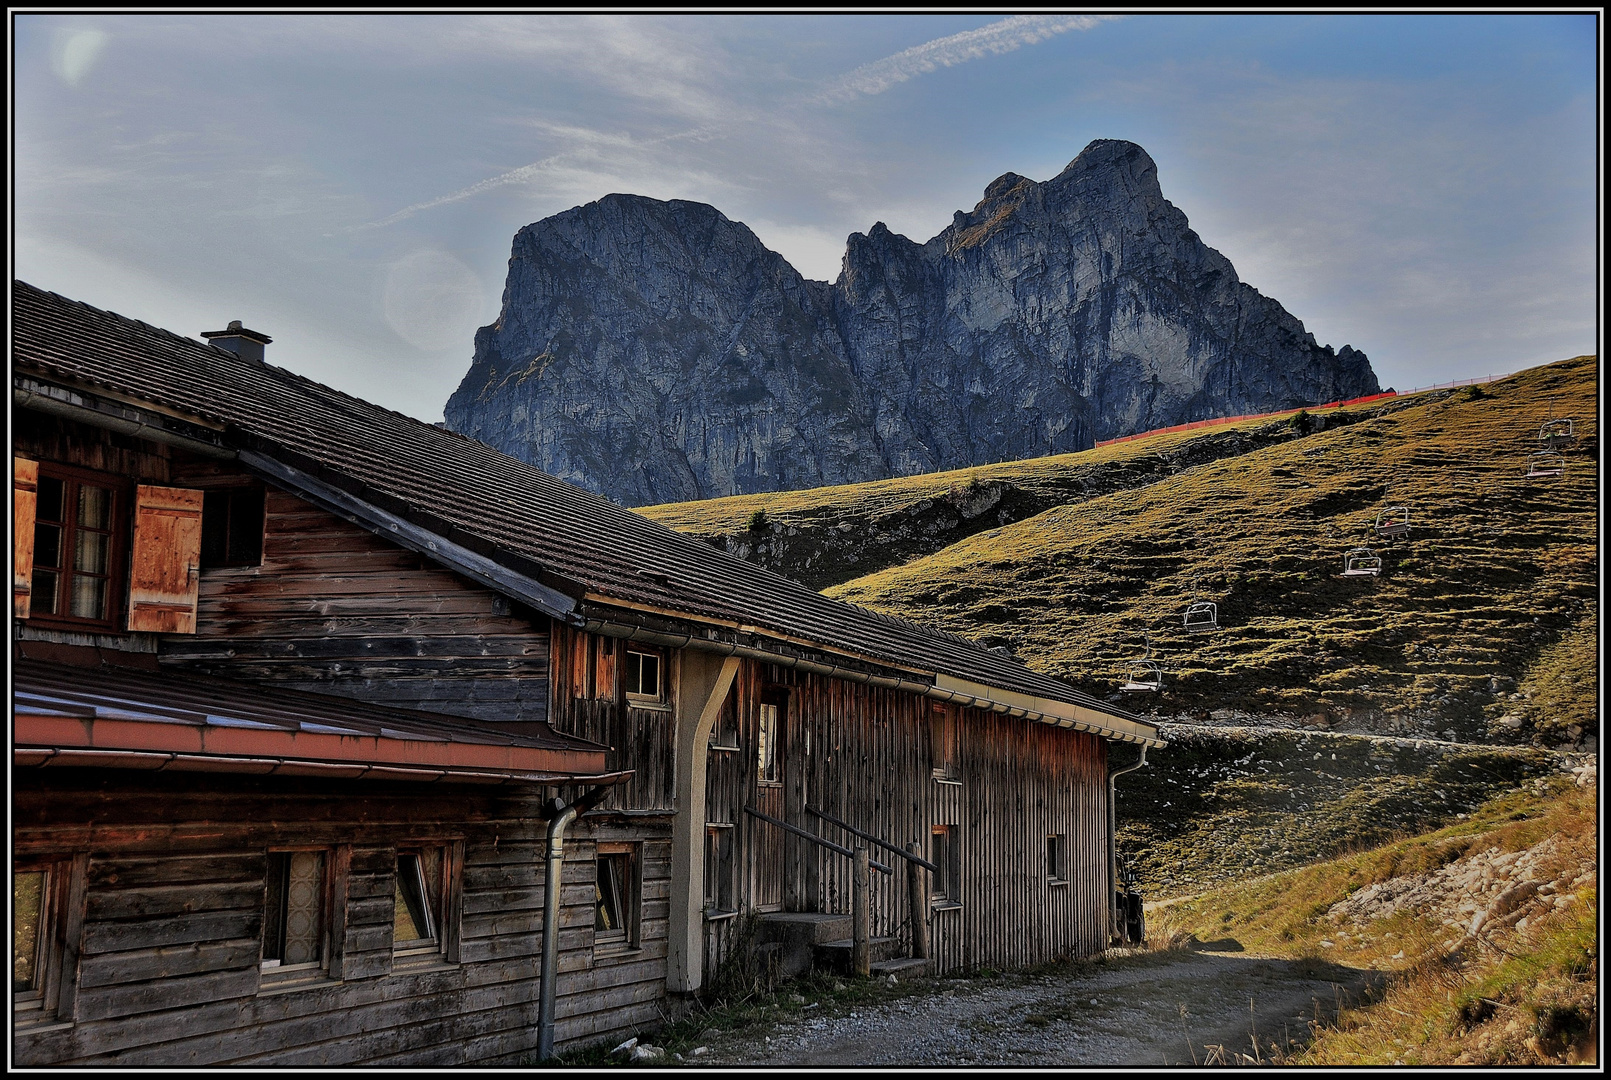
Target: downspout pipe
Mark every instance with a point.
(560, 817)
(1113, 842)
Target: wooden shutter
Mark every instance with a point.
(165, 571)
(25, 485)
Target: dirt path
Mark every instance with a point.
(1135, 1011)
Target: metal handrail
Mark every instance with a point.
(814, 838)
(885, 844)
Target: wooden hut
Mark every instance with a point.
(305, 687)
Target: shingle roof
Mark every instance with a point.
(575, 535)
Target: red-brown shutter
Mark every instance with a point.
(165, 571)
(604, 672)
(25, 485)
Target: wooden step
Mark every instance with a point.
(837, 954)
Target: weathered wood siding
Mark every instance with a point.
(639, 739)
(865, 755)
(169, 972)
(335, 609)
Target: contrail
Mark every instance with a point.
(520, 175)
(998, 37)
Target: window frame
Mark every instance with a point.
(119, 537)
(945, 886)
(56, 934)
(945, 743)
(442, 945)
(767, 758)
(638, 699)
(274, 972)
(1057, 859)
(720, 870)
(628, 936)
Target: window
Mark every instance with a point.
(232, 527)
(945, 886)
(719, 898)
(1056, 854)
(40, 902)
(417, 903)
(294, 913)
(766, 745)
(615, 896)
(724, 732)
(30, 936)
(78, 529)
(943, 744)
(644, 678)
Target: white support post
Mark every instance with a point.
(702, 687)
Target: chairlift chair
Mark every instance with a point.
(1393, 522)
(1556, 434)
(1362, 562)
(1546, 465)
(1201, 615)
(1144, 675)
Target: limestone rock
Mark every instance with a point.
(657, 351)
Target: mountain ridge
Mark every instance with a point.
(658, 351)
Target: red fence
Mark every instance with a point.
(1289, 412)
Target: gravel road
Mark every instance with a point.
(1157, 1009)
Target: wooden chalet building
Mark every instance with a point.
(302, 687)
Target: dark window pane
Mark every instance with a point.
(28, 898)
(214, 528)
(279, 872)
(48, 546)
(246, 527)
(651, 676)
(44, 593)
(48, 506)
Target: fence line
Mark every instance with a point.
(1216, 421)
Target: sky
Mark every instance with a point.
(1422, 187)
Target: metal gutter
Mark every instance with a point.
(29, 393)
(169, 761)
(1113, 840)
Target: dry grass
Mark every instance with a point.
(1524, 998)
(1495, 570)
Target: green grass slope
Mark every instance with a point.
(1496, 576)
(831, 535)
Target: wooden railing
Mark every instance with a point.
(917, 893)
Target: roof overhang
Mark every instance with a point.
(1046, 710)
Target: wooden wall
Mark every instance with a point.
(864, 755)
(335, 609)
(169, 973)
(643, 740)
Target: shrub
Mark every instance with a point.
(758, 522)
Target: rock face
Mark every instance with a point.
(658, 352)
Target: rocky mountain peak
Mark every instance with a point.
(656, 351)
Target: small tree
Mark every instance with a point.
(758, 522)
(1300, 422)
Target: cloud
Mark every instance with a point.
(992, 40)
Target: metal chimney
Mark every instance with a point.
(246, 344)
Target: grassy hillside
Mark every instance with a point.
(1221, 804)
(1495, 578)
(827, 536)
(1518, 985)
